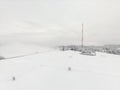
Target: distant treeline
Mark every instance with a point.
(112, 49)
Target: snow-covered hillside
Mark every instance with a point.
(20, 49)
(49, 71)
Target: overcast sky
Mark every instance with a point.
(59, 21)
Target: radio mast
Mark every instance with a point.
(82, 38)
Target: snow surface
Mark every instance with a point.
(20, 49)
(49, 71)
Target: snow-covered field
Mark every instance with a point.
(49, 71)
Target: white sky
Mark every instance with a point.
(59, 21)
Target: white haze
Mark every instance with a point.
(57, 22)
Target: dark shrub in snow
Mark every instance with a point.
(13, 78)
(69, 68)
(1, 58)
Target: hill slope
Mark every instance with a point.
(49, 71)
